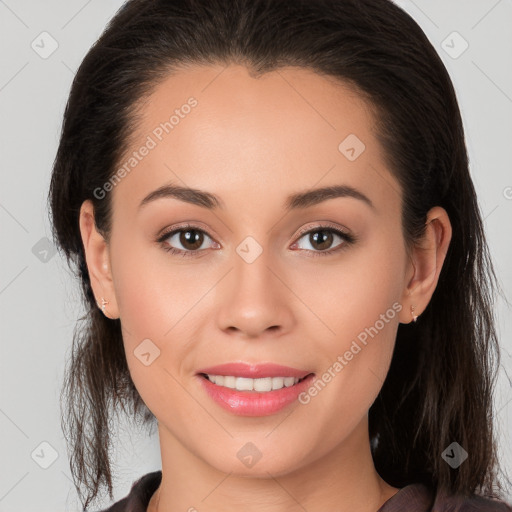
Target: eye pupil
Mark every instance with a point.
(324, 236)
(193, 237)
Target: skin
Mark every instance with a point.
(253, 142)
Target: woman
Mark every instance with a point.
(210, 151)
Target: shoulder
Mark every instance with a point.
(472, 503)
(418, 497)
(137, 499)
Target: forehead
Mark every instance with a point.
(221, 129)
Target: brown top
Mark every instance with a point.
(412, 498)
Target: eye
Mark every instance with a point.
(321, 238)
(190, 237)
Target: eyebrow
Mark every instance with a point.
(293, 202)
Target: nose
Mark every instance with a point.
(254, 299)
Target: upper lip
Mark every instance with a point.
(254, 371)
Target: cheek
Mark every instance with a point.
(350, 292)
(359, 308)
(153, 293)
(158, 302)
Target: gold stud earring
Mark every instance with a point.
(414, 317)
(103, 304)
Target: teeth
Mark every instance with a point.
(246, 384)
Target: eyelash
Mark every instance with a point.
(347, 238)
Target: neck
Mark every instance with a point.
(344, 479)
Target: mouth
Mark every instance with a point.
(259, 385)
(254, 390)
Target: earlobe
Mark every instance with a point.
(426, 263)
(97, 257)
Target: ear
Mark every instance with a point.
(425, 264)
(97, 258)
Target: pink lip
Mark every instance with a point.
(254, 403)
(254, 371)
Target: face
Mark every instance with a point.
(315, 285)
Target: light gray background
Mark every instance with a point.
(39, 301)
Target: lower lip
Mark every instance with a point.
(254, 403)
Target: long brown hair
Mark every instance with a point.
(439, 388)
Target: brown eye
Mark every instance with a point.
(191, 239)
(185, 241)
(322, 238)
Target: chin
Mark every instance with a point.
(249, 461)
